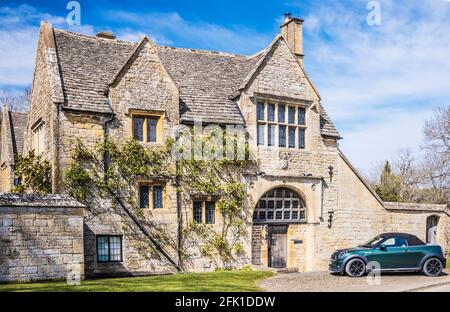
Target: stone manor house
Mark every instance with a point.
(306, 201)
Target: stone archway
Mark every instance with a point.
(274, 212)
(280, 205)
(432, 224)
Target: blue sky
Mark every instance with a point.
(378, 83)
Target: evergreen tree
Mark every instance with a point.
(390, 185)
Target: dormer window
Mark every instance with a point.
(281, 125)
(147, 128)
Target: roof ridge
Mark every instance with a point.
(193, 50)
(93, 37)
(202, 51)
(23, 113)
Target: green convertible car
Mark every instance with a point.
(394, 252)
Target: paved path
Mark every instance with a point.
(326, 282)
(438, 288)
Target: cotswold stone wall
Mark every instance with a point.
(415, 222)
(41, 237)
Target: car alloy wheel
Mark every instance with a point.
(432, 267)
(355, 268)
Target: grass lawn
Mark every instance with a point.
(214, 281)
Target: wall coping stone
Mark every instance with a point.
(38, 200)
(417, 207)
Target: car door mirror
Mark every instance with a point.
(383, 248)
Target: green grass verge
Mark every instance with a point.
(448, 262)
(241, 281)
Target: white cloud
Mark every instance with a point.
(368, 144)
(19, 32)
(167, 28)
(379, 83)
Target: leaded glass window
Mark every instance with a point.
(271, 129)
(280, 205)
(291, 137)
(291, 115)
(261, 134)
(281, 125)
(210, 211)
(152, 123)
(157, 196)
(144, 196)
(301, 138)
(109, 248)
(271, 112)
(204, 212)
(301, 116)
(261, 111)
(281, 113)
(138, 128)
(151, 196)
(198, 208)
(145, 128)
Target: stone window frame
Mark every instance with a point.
(151, 199)
(109, 248)
(267, 209)
(147, 115)
(276, 124)
(204, 201)
(38, 137)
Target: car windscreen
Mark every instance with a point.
(373, 242)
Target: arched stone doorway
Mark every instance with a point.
(274, 212)
(432, 224)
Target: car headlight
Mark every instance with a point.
(343, 254)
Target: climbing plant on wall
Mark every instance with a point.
(102, 185)
(34, 173)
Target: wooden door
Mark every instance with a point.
(432, 223)
(278, 246)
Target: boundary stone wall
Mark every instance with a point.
(41, 237)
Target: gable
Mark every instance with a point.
(144, 84)
(281, 75)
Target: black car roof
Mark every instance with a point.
(391, 234)
(412, 239)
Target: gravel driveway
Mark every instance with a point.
(326, 282)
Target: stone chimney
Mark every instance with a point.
(292, 32)
(106, 35)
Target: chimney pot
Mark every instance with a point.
(287, 17)
(106, 35)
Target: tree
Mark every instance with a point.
(389, 187)
(436, 165)
(17, 102)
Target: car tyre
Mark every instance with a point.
(432, 267)
(355, 268)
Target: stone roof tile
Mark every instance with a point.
(207, 81)
(19, 123)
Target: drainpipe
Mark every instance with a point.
(105, 139)
(56, 149)
(179, 216)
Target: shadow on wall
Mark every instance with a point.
(31, 249)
